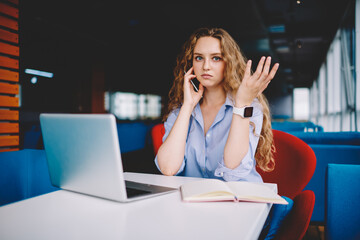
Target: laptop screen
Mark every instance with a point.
(83, 154)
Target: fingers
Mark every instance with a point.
(272, 72)
(188, 85)
(248, 69)
(262, 71)
(266, 69)
(189, 71)
(259, 67)
(270, 77)
(188, 75)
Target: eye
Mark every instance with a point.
(198, 58)
(216, 58)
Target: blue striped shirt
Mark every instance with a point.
(204, 154)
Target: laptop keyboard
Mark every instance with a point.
(132, 192)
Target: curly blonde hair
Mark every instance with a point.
(235, 63)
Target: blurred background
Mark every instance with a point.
(119, 56)
(101, 56)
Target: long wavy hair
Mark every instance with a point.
(235, 63)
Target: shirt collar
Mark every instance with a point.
(229, 101)
(196, 113)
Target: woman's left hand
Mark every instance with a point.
(253, 85)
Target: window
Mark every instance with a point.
(301, 103)
(338, 90)
(322, 89)
(131, 106)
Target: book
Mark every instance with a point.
(209, 190)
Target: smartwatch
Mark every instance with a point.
(244, 112)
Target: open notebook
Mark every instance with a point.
(83, 155)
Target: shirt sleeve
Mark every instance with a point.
(248, 163)
(169, 123)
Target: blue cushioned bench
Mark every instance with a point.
(338, 138)
(132, 136)
(23, 174)
(342, 201)
(325, 154)
(291, 126)
(329, 147)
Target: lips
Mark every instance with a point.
(206, 76)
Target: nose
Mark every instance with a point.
(206, 65)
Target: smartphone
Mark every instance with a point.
(195, 83)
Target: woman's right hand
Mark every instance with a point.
(252, 85)
(191, 97)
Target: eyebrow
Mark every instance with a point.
(212, 54)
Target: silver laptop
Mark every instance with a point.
(83, 155)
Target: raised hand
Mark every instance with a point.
(254, 84)
(190, 95)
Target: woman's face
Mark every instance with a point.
(208, 62)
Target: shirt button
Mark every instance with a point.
(203, 169)
(221, 174)
(208, 135)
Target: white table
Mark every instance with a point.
(67, 215)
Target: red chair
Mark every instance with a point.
(295, 164)
(157, 133)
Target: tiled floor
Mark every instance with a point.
(315, 232)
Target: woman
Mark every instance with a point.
(224, 129)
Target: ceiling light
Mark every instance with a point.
(287, 70)
(39, 73)
(283, 49)
(262, 44)
(280, 41)
(298, 2)
(33, 80)
(277, 28)
(298, 44)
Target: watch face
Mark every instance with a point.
(248, 112)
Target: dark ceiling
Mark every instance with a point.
(139, 40)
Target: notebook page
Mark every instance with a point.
(204, 187)
(255, 192)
